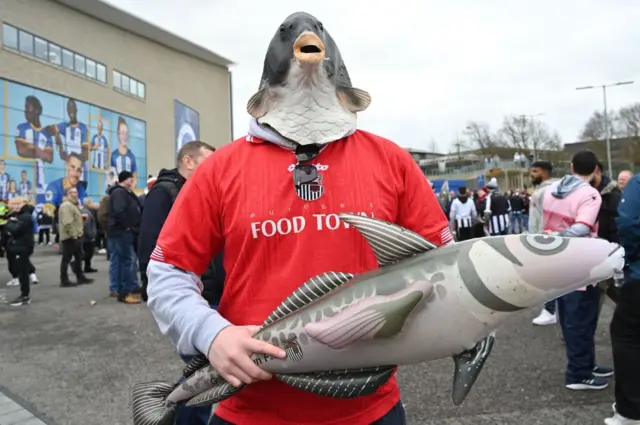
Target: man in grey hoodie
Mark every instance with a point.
(540, 174)
(571, 207)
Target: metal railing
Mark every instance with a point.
(480, 167)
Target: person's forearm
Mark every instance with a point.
(176, 303)
(576, 230)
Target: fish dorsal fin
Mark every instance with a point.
(312, 290)
(389, 241)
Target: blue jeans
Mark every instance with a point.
(578, 314)
(525, 221)
(516, 218)
(550, 306)
(395, 416)
(123, 278)
(193, 415)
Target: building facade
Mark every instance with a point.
(88, 90)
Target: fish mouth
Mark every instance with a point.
(308, 49)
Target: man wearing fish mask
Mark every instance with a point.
(276, 232)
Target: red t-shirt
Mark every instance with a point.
(243, 200)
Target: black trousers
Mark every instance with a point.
(22, 267)
(71, 248)
(44, 234)
(88, 247)
(395, 416)
(465, 233)
(13, 265)
(625, 341)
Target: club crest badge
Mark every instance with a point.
(312, 191)
(293, 349)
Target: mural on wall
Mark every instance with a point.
(187, 124)
(50, 142)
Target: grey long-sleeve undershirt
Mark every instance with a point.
(176, 303)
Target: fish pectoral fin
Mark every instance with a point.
(345, 383)
(356, 100)
(256, 106)
(150, 405)
(310, 291)
(390, 242)
(198, 362)
(469, 363)
(218, 393)
(377, 317)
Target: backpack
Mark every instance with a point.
(169, 186)
(103, 213)
(628, 220)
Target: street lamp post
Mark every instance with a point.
(606, 117)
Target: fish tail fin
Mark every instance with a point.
(222, 390)
(150, 405)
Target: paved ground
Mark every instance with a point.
(71, 363)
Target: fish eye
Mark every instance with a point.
(544, 244)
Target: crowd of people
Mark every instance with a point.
(114, 226)
(585, 203)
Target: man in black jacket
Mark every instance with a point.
(20, 244)
(607, 227)
(611, 196)
(157, 205)
(123, 225)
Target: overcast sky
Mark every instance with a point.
(432, 66)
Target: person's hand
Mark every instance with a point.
(230, 355)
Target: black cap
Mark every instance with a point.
(124, 175)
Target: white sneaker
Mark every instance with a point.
(545, 318)
(618, 419)
(13, 282)
(102, 251)
(33, 279)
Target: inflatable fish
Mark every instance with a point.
(344, 335)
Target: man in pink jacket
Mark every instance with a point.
(570, 208)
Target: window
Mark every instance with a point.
(67, 59)
(133, 87)
(79, 64)
(91, 69)
(128, 85)
(102, 73)
(141, 90)
(55, 54)
(25, 42)
(10, 36)
(125, 84)
(117, 79)
(41, 49)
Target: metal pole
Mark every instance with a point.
(606, 131)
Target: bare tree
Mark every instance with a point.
(480, 137)
(595, 129)
(433, 146)
(629, 120)
(527, 135)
